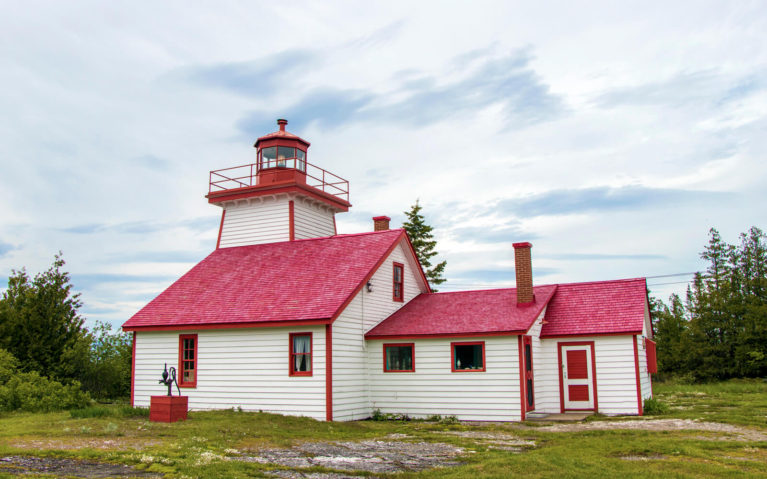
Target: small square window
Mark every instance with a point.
(398, 358)
(468, 356)
(187, 360)
(398, 282)
(300, 354)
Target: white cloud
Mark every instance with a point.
(105, 132)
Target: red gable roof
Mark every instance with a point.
(464, 313)
(602, 307)
(304, 280)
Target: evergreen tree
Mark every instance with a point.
(40, 324)
(424, 244)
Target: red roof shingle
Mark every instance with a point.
(464, 313)
(602, 307)
(286, 281)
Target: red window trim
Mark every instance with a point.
(467, 343)
(181, 383)
(401, 283)
(291, 361)
(412, 357)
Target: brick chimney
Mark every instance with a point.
(381, 223)
(524, 269)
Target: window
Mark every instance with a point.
(397, 280)
(398, 358)
(468, 356)
(300, 354)
(187, 360)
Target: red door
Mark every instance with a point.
(527, 344)
(577, 376)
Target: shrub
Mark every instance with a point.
(653, 407)
(32, 392)
(9, 366)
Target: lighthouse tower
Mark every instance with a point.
(280, 197)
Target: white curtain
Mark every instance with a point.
(301, 345)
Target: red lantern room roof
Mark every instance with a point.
(280, 134)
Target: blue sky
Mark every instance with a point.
(611, 135)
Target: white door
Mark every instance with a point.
(577, 377)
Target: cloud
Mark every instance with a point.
(5, 248)
(257, 78)
(603, 198)
(90, 280)
(159, 256)
(508, 81)
(490, 235)
(705, 87)
(496, 275)
(605, 257)
(143, 227)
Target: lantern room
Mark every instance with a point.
(281, 150)
(280, 197)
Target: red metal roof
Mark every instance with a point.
(602, 307)
(300, 280)
(463, 313)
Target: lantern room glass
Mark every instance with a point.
(282, 157)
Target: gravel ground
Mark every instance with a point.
(22, 465)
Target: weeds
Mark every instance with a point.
(109, 411)
(654, 407)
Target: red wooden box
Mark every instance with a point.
(168, 408)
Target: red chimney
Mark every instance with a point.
(381, 223)
(282, 124)
(524, 269)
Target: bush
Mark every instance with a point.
(653, 407)
(32, 392)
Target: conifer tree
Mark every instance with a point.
(424, 244)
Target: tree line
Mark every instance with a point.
(719, 329)
(46, 352)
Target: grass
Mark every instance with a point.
(200, 446)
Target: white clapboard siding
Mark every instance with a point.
(616, 377)
(350, 379)
(492, 395)
(644, 375)
(258, 222)
(545, 373)
(312, 220)
(245, 368)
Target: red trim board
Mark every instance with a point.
(636, 370)
(445, 335)
(292, 221)
(328, 372)
(194, 327)
(220, 229)
(522, 401)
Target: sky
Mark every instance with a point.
(610, 135)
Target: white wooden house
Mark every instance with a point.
(287, 316)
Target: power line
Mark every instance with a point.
(671, 275)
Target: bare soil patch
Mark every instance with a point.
(22, 465)
(729, 431)
(120, 444)
(369, 456)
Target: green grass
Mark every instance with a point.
(199, 447)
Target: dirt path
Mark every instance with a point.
(729, 432)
